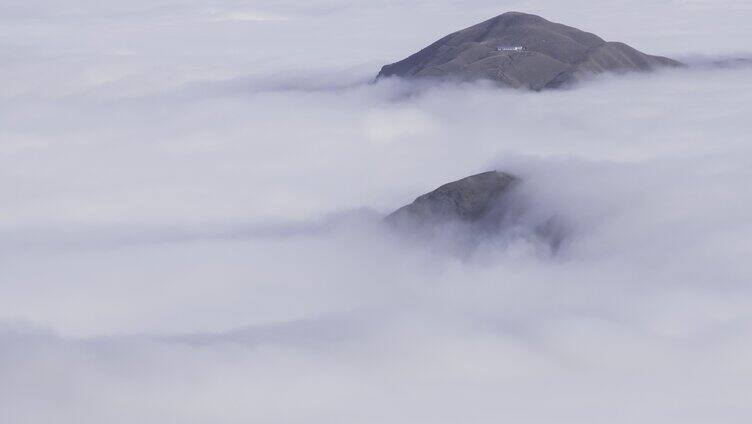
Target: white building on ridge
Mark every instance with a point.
(510, 48)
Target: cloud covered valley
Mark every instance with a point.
(192, 232)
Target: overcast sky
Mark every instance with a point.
(191, 199)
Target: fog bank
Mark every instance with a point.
(192, 201)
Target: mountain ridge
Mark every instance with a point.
(523, 51)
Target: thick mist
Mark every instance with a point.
(193, 195)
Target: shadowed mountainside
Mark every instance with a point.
(468, 199)
(481, 208)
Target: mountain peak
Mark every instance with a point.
(522, 50)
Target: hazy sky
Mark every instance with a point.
(190, 226)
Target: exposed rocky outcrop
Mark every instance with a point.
(468, 200)
(482, 208)
(523, 50)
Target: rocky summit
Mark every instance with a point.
(524, 51)
(468, 200)
(479, 209)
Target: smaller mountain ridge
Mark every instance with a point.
(468, 199)
(523, 51)
(480, 210)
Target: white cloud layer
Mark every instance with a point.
(191, 200)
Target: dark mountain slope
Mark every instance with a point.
(522, 50)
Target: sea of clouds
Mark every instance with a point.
(191, 201)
